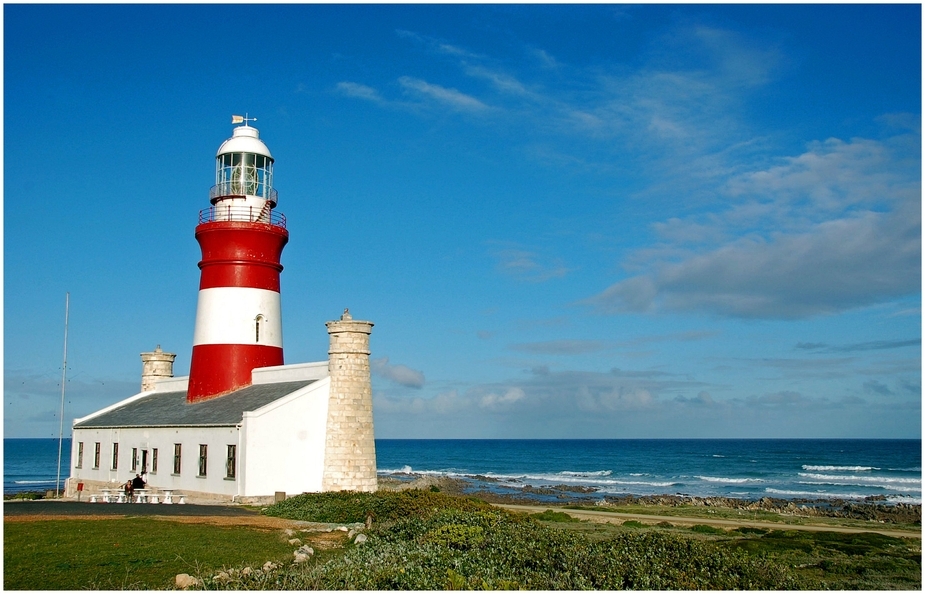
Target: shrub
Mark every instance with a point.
(553, 516)
(491, 549)
(704, 529)
(350, 506)
(633, 524)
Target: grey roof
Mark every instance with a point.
(170, 409)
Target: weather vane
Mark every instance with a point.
(236, 119)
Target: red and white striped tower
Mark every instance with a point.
(238, 321)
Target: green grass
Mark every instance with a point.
(127, 553)
(426, 540)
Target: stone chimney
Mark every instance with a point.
(154, 366)
(350, 447)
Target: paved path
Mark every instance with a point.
(619, 518)
(77, 509)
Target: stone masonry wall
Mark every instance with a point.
(350, 448)
(154, 366)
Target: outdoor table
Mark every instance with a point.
(106, 495)
(140, 495)
(168, 495)
(121, 498)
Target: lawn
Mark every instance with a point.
(127, 553)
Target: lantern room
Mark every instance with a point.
(244, 171)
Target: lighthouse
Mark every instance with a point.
(242, 426)
(238, 316)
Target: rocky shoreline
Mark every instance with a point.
(872, 508)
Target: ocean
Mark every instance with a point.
(849, 469)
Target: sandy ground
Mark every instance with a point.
(619, 518)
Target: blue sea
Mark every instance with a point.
(741, 468)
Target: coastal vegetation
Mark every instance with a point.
(425, 540)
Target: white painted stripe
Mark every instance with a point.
(228, 315)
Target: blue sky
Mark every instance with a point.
(565, 221)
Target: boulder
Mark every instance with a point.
(269, 566)
(185, 580)
(295, 541)
(360, 539)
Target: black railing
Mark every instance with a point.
(242, 214)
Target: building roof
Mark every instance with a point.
(170, 409)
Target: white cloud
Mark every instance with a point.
(835, 228)
(399, 374)
(493, 400)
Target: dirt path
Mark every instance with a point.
(619, 518)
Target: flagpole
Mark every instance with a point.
(67, 300)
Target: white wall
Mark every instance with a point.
(285, 443)
(216, 438)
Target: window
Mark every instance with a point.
(176, 458)
(257, 321)
(134, 459)
(115, 456)
(203, 458)
(230, 463)
(80, 454)
(96, 455)
(154, 461)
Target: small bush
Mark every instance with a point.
(633, 524)
(553, 516)
(704, 529)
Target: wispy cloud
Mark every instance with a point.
(874, 345)
(436, 45)
(562, 347)
(450, 97)
(527, 265)
(352, 89)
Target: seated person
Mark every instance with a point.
(129, 490)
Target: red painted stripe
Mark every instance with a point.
(217, 369)
(239, 254)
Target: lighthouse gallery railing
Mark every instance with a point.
(244, 214)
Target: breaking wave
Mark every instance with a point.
(734, 481)
(839, 468)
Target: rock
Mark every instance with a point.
(342, 528)
(352, 533)
(295, 541)
(185, 580)
(222, 577)
(360, 539)
(289, 532)
(299, 557)
(306, 550)
(246, 571)
(269, 566)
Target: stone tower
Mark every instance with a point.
(154, 366)
(350, 448)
